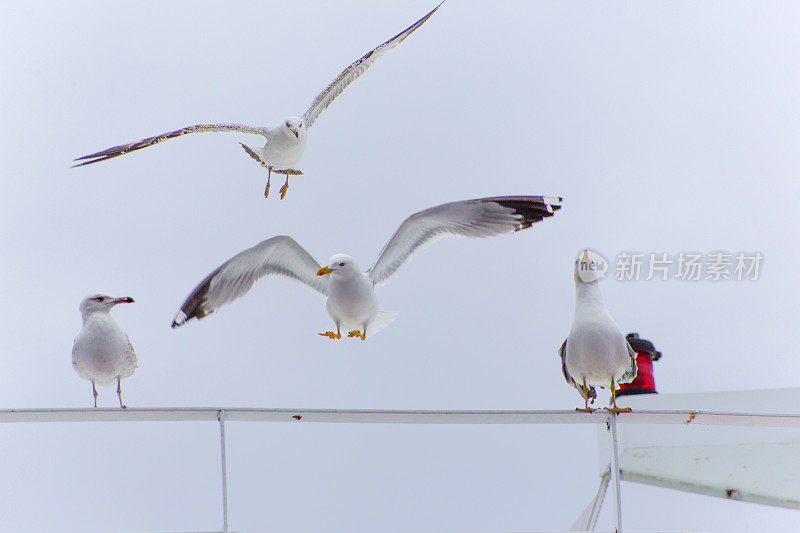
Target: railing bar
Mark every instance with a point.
(221, 417)
(133, 414)
(612, 430)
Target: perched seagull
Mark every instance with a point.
(351, 301)
(596, 353)
(102, 352)
(286, 142)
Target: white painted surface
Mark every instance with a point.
(757, 465)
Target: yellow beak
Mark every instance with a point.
(324, 270)
(296, 132)
(585, 257)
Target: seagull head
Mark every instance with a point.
(340, 265)
(101, 303)
(294, 126)
(590, 266)
(581, 263)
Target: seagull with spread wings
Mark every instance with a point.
(286, 142)
(351, 301)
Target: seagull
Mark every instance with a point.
(102, 352)
(596, 353)
(286, 141)
(351, 301)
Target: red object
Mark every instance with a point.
(644, 373)
(646, 353)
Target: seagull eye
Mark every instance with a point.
(341, 264)
(99, 299)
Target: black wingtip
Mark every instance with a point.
(532, 209)
(182, 317)
(194, 306)
(85, 162)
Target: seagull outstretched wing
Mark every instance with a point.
(150, 141)
(276, 256)
(359, 67)
(483, 217)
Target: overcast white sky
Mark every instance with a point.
(666, 126)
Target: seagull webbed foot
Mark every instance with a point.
(586, 409)
(285, 187)
(357, 333)
(618, 410)
(332, 335)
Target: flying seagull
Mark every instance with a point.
(102, 352)
(286, 142)
(596, 353)
(351, 301)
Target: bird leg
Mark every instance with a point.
(614, 408)
(119, 393)
(332, 335)
(269, 175)
(357, 333)
(94, 393)
(585, 393)
(285, 187)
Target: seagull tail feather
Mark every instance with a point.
(381, 320)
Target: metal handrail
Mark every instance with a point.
(222, 415)
(392, 416)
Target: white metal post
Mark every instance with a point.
(598, 500)
(612, 430)
(221, 417)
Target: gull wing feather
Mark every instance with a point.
(150, 141)
(359, 67)
(630, 372)
(279, 255)
(562, 352)
(132, 361)
(75, 353)
(483, 217)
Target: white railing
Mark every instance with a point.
(370, 416)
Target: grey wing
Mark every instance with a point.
(360, 66)
(279, 255)
(150, 141)
(483, 217)
(74, 355)
(562, 352)
(630, 373)
(132, 361)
